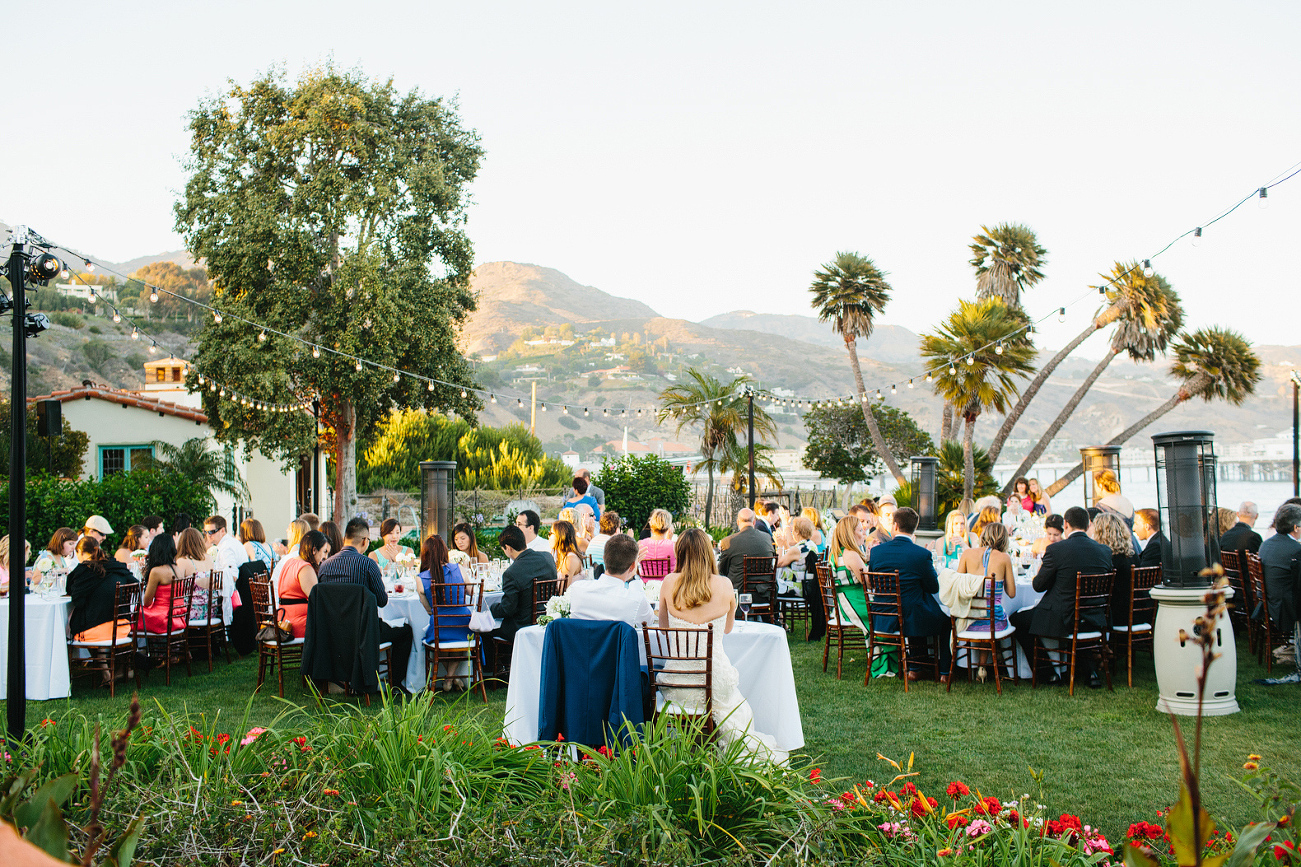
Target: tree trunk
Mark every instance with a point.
(1195, 386)
(345, 463)
(1071, 405)
(878, 441)
(709, 495)
(946, 422)
(1099, 322)
(968, 460)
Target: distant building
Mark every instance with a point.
(571, 459)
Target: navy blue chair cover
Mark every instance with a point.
(591, 682)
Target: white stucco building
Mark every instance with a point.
(122, 425)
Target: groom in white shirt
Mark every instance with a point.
(618, 594)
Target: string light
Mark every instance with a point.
(216, 316)
(893, 390)
(998, 350)
(544, 407)
(519, 403)
(1263, 201)
(1147, 268)
(153, 295)
(953, 369)
(878, 394)
(463, 394)
(397, 377)
(970, 361)
(1061, 314)
(494, 398)
(117, 317)
(1197, 234)
(316, 352)
(135, 333)
(359, 365)
(90, 266)
(929, 378)
(584, 412)
(910, 383)
(429, 386)
(153, 348)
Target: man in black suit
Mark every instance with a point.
(1147, 527)
(1054, 616)
(1240, 537)
(747, 541)
(767, 518)
(918, 584)
(515, 610)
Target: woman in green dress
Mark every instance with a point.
(847, 567)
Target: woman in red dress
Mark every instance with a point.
(298, 577)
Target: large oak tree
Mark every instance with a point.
(332, 209)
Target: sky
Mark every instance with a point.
(709, 156)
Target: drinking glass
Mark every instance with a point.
(746, 599)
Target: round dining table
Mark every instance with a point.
(45, 639)
(407, 607)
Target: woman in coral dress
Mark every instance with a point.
(298, 577)
(160, 570)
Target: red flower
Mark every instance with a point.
(1285, 852)
(956, 820)
(815, 776)
(957, 790)
(447, 728)
(603, 750)
(907, 790)
(329, 791)
(989, 806)
(560, 736)
(1013, 817)
(880, 796)
(46, 722)
(1072, 822)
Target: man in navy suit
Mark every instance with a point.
(918, 584)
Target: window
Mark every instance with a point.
(160, 374)
(122, 459)
(176, 374)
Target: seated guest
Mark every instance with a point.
(847, 570)
(59, 554)
(254, 539)
(153, 525)
(1021, 494)
(885, 527)
(991, 562)
(464, 540)
(98, 527)
(609, 528)
(180, 521)
(530, 525)
(298, 577)
(134, 540)
(311, 520)
(4, 562)
(1276, 556)
(332, 534)
(92, 585)
(968, 507)
(815, 518)
(515, 608)
(1225, 519)
(745, 542)
(866, 512)
(767, 518)
(1241, 536)
(1054, 615)
(192, 559)
(918, 584)
(1107, 495)
(1109, 529)
(230, 553)
(1147, 527)
(450, 622)
(802, 529)
(1053, 530)
(580, 495)
(390, 530)
(619, 594)
(293, 536)
(1043, 505)
(351, 566)
(954, 541)
(564, 548)
(160, 571)
(660, 543)
(989, 514)
(1014, 512)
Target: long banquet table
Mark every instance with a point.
(758, 650)
(46, 641)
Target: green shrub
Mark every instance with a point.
(636, 486)
(94, 329)
(67, 320)
(69, 449)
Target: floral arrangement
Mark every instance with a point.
(139, 555)
(405, 557)
(557, 607)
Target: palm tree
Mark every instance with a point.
(736, 460)
(1007, 260)
(1150, 318)
(849, 292)
(1210, 363)
(194, 460)
(720, 410)
(978, 330)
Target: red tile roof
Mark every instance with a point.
(126, 398)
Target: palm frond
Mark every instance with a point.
(1223, 357)
(1007, 259)
(849, 292)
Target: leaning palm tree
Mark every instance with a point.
(198, 463)
(719, 408)
(1007, 259)
(1151, 316)
(1209, 363)
(736, 460)
(848, 292)
(978, 353)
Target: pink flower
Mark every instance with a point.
(979, 828)
(251, 736)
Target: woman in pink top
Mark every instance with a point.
(660, 543)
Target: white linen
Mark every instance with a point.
(407, 608)
(610, 599)
(45, 636)
(758, 651)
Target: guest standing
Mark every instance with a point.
(1043, 504)
(581, 496)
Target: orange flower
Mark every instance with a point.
(329, 791)
(1250, 766)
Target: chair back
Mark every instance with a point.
(216, 587)
(179, 607)
(126, 610)
(682, 659)
(827, 591)
(543, 590)
(1259, 595)
(759, 579)
(452, 604)
(887, 597)
(1143, 607)
(264, 601)
(653, 568)
(1093, 601)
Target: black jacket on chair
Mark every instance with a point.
(342, 641)
(1240, 537)
(1063, 561)
(243, 624)
(93, 593)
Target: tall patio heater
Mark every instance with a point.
(923, 488)
(1186, 502)
(437, 499)
(1095, 460)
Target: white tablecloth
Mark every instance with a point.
(45, 636)
(407, 607)
(1026, 597)
(758, 650)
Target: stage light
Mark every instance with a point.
(43, 268)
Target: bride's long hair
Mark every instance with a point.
(695, 553)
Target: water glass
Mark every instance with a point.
(746, 599)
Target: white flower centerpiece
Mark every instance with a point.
(557, 607)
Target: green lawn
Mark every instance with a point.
(1107, 756)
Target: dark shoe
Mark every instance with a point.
(1052, 679)
(913, 676)
(1095, 682)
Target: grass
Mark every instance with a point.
(1109, 757)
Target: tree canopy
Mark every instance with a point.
(332, 209)
(840, 445)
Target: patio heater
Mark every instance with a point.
(437, 499)
(1095, 460)
(1186, 502)
(923, 488)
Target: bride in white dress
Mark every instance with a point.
(694, 597)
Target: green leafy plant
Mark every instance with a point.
(840, 443)
(69, 450)
(635, 486)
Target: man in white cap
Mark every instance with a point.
(97, 528)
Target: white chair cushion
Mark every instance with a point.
(106, 642)
(663, 706)
(449, 645)
(285, 643)
(1066, 639)
(385, 645)
(984, 633)
(212, 621)
(1138, 627)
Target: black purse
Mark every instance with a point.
(281, 631)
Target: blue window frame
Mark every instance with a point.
(121, 458)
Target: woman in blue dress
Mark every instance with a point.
(449, 628)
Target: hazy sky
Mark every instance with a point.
(706, 157)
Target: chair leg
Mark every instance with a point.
(997, 661)
(826, 650)
(280, 671)
(840, 653)
(207, 634)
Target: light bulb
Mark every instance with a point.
(135, 333)
(397, 377)
(1197, 236)
(153, 295)
(893, 390)
(519, 403)
(216, 316)
(970, 361)
(998, 350)
(565, 410)
(1061, 314)
(953, 370)
(605, 412)
(262, 338)
(544, 407)
(463, 394)
(1147, 268)
(65, 274)
(359, 367)
(910, 383)
(200, 379)
(90, 266)
(929, 378)
(878, 394)
(1263, 201)
(223, 393)
(494, 398)
(212, 386)
(117, 317)
(584, 412)
(153, 348)
(430, 387)
(316, 352)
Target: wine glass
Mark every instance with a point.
(746, 600)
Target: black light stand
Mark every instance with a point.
(749, 396)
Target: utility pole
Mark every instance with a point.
(316, 457)
(749, 396)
